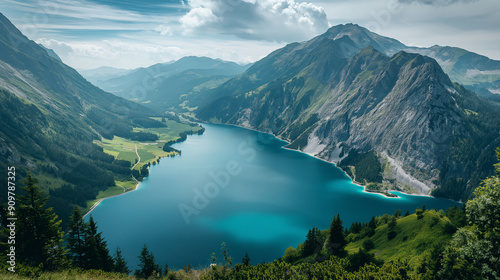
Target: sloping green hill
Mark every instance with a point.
(413, 237)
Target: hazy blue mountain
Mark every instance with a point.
(49, 117)
(431, 134)
(98, 75)
(160, 85)
(476, 72)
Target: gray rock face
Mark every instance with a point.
(326, 101)
(406, 111)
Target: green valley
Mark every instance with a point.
(252, 140)
(141, 154)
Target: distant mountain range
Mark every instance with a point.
(350, 91)
(475, 72)
(165, 86)
(99, 75)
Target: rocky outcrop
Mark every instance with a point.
(327, 101)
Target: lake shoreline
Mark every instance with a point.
(139, 182)
(316, 157)
(383, 194)
(264, 209)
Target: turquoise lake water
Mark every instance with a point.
(241, 187)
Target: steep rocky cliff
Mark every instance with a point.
(329, 96)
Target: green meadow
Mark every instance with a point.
(139, 152)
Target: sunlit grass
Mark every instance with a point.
(414, 236)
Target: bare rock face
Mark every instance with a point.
(406, 111)
(333, 94)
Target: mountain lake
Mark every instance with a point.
(241, 187)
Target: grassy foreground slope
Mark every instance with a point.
(413, 238)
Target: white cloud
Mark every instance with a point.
(86, 34)
(136, 52)
(197, 17)
(272, 20)
(116, 53)
(164, 30)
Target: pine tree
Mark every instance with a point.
(147, 264)
(246, 259)
(76, 238)
(318, 240)
(120, 264)
(38, 235)
(309, 244)
(392, 223)
(336, 240)
(227, 260)
(372, 223)
(397, 213)
(355, 227)
(97, 253)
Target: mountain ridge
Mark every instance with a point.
(144, 85)
(328, 103)
(50, 116)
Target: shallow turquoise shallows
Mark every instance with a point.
(241, 187)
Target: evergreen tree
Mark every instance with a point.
(336, 240)
(38, 234)
(392, 223)
(120, 264)
(372, 224)
(76, 238)
(310, 243)
(97, 253)
(144, 170)
(227, 260)
(420, 213)
(407, 213)
(318, 240)
(397, 213)
(246, 259)
(147, 264)
(355, 227)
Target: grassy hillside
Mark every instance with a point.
(414, 237)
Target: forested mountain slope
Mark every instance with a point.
(50, 116)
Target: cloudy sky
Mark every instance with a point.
(134, 33)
